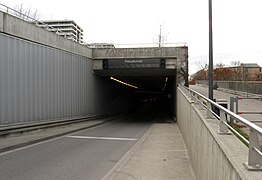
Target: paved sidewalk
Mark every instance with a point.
(160, 155)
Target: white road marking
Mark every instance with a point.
(103, 138)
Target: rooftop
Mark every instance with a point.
(250, 65)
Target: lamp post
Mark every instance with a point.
(210, 68)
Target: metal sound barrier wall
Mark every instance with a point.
(39, 82)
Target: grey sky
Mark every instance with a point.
(237, 24)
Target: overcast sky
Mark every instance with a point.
(237, 24)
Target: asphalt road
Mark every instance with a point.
(87, 155)
(244, 105)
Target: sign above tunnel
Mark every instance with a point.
(133, 63)
(164, 61)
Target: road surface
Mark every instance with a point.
(88, 154)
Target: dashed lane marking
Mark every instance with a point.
(103, 138)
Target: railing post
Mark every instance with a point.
(187, 92)
(209, 109)
(192, 96)
(223, 129)
(201, 104)
(196, 100)
(254, 158)
(232, 103)
(236, 104)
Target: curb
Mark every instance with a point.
(117, 167)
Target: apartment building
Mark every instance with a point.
(66, 28)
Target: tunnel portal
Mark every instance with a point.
(150, 73)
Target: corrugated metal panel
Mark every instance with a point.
(39, 82)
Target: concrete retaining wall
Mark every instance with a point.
(17, 27)
(213, 156)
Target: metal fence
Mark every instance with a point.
(255, 155)
(254, 87)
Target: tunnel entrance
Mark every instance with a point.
(150, 75)
(151, 92)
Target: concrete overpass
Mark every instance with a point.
(147, 68)
(152, 71)
(47, 77)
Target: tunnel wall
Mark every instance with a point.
(213, 156)
(40, 82)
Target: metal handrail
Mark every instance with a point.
(254, 157)
(232, 129)
(25, 17)
(235, 116)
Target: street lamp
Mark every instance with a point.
(210, 68)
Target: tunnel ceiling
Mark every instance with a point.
(154, 80)
(149, 84)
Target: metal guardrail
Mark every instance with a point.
(240, 93)
(255, 154)
(234, 102)
(249, 87)
(34, 21)
(6, 130)
(237, 98)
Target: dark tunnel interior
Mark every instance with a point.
(148, 94)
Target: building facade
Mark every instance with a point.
(66, 28)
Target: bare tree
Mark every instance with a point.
(235, 63)
(237, 71)
(161, 38)
(219, 65)
(202, 64)
(26, 13)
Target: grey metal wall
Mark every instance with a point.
(39, 82)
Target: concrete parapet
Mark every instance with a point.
(23, 29)
(214, 156)
(178, 52)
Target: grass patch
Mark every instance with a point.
(245, 135)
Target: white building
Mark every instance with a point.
(66, 28)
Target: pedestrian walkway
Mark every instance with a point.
(160, 155)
